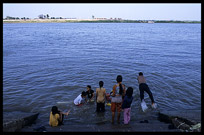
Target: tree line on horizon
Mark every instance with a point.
(47, 16)
(41, 16)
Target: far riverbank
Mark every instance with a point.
(92, 21)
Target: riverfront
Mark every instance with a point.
(52, 51)
(46, 64)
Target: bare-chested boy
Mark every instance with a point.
(144, 87)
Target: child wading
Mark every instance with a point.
(126, 106)
(100, 97)
(90, 93)
(56, 116)
(116, 101)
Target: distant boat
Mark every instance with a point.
(150, 22)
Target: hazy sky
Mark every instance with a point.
(135, 11)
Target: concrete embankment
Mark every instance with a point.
(106, 126)
(145, 124)
(162, 123)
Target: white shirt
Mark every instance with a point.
(78, 100)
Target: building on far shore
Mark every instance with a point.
(150, 22)
(100, 18)
(103, 18)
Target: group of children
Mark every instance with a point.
(121, 100)
(100, 97)
(81, 99)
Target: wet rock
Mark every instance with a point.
(180, 124)
(185, 121)
(165, 118)
(15, 125)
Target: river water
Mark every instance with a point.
(48, 63)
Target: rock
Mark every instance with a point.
(196, 128)
(191, 115)
(165, 118)
(15, 125)
(184, 121)
(180, 124)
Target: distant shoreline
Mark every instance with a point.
(92, 21)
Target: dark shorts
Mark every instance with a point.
(100, 107)
(143, 87)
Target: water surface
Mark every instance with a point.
(46, 63)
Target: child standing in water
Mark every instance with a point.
(126, 106)
(100, 97)
(116, 101)
(56, 116)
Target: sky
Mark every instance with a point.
(131, 11)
